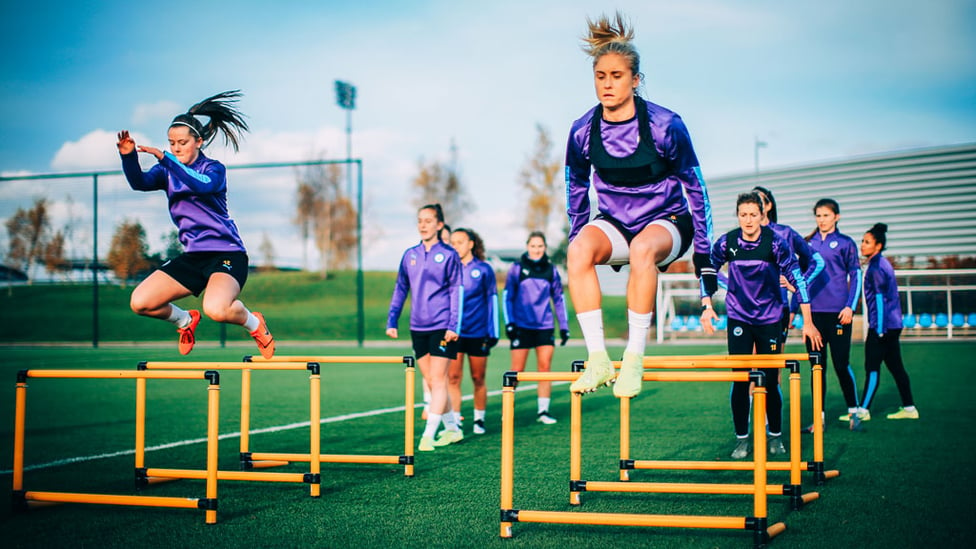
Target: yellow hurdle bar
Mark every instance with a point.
(208, 503)
(312, 478)
(406, 459)
(756, 523)
(679, 488)
(685, 362)
(109, 499)
(351, 359)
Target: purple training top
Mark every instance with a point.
(843, 269)
(433, 278)
(197, 199)
(881, 296)
(635, 207)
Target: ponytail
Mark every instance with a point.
(224, 117)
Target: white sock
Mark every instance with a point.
(457, 417)
(449, 421)
(853, 410)
(251, 323)
(908, 408)
(178, 316)
(433, 420)
(543, 404)
(640, 325)
(591, 324)
(479, 414)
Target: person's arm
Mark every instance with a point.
(789, 267)
(492, 289)
(456, 292)
(853, 268)
(681, 156)
(556, 291)
(211, 180)
(716, 259)
(400, 290)
(508, 300)
(577, 185)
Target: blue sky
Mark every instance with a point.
(816, 81)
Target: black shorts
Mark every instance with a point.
(432, 343)
(765, 338)
(530, 339)
(684, 225)
(193, 269)
(473, 346)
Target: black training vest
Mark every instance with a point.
(535, 269)
(763, 252)
(643, 166)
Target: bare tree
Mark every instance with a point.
(128, 252)
(268, 251)
(28, 232)
(54, 254)
(172, 247)
(539, 179)
(441, 184)
(326, 214)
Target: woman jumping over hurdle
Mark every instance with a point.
(646, 175)
(215, 261)
(431, 273)
(756, 257)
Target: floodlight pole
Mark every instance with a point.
(346, 99)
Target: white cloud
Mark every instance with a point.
(147, 113)
(93, 151)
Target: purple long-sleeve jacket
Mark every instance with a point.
(753, 293)
(433, 278)
(529, 287)
(480, 300)
(881, 296)
(197, 199)
(636, 206)
(811, 262)
(843, 288)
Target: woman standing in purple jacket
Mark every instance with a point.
(533, 289)
(833, 305)
(480, 322)
(756, 258)
(215, 259)
(652, 202)
(883, 314)
(431, 273)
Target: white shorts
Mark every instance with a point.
(620, 248)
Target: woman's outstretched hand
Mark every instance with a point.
(126, 144)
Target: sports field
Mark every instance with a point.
(902, 483)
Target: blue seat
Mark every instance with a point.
(958, 320)
(798, 322)
(693, 323)
(971, 320)
(677, 323)
(925, 320)
(909, 321)
(722, 322)
(941, 320)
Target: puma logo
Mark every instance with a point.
(734, 251)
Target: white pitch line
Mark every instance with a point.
(279, 428)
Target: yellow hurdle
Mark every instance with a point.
(757, 523)
(154, 475)
(795, 465)
(406, 458)
(208, 503)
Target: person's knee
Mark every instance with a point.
(216, 312)
(141, 303)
